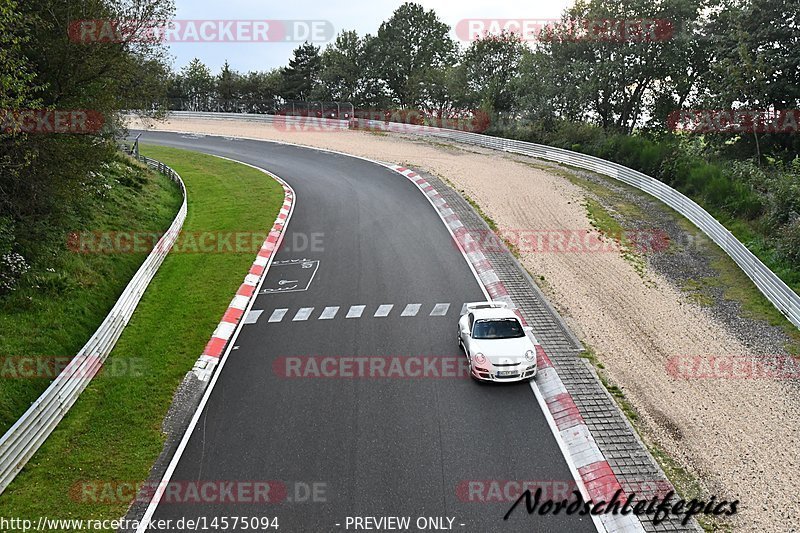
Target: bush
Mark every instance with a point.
(745, 202)
(788, 243)
(12, 264)
(12, 267)
(718, 190)
(768, 197)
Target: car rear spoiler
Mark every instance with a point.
(486, 305)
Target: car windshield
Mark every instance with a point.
(506, 328)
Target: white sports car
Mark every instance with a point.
(497, 345)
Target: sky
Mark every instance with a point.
(364, 16)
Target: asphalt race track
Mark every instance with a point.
(370, 446)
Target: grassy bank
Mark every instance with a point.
(114, 431)
(65, 296)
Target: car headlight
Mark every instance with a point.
(479, 358)
(530, 355)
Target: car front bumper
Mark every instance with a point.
(486, 373)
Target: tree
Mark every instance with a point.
(45, 178)
(611, 80)
(344, 63)
(754, 64)
(198, 84)
(490, 65)
(228, 87)
(537, 98)
(16, 76)
(375, 93)
(17, 91)
(754, 46)
(301, 77)
(409, 45)
(260, 89)
(443, 92)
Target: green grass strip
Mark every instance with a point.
(113, 433)
(66, 298)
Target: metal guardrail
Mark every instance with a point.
(22, 440)
(283, 122)
(776, 291)
(272, 106)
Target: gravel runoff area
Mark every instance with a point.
(739, 437)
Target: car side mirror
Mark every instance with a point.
(527, 329)
(465, 331)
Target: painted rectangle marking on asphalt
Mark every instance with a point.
(253, 316)
(356, 311)
(411, 310)
(277, 315)
(329, 313)
(384, 310)
(291, 275)
(440, 309)
(302, 314)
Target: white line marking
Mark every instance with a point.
(356, 311)
(383, 310)
(411, 310)
(285, 285)
(277, 315)
(173, 464)
(440, 309)
(329, 313)
(252, 316)
(564, 450)
(302, 314)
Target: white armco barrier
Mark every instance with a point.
(776, 291)
(22, 440)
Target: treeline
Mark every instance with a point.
(51, 174)
(710, 54)
(609, 97)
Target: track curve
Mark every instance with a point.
(379, 447)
